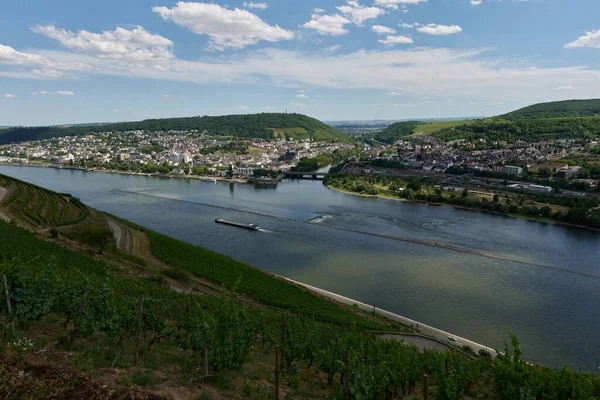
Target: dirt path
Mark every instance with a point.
(116, 231)
(3, 216)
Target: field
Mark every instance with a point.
(427, 128)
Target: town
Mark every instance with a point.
(172, 152)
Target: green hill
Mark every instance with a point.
(396, 131)
(557, 109)
(265, 125)
(523, 129)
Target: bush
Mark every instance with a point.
(98, 237)
(178, 274)
(53, 233)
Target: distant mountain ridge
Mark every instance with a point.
(557, 109)
(265, 125)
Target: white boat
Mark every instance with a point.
(211, 180)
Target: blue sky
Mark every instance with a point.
(73, 61)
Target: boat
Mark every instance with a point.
(211, 180)
(251, 227)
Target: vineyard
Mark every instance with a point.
(219, 347)
(129, 314)
(41, 207)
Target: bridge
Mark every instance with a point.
(305, 175)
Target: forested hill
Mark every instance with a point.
(557, 109)
(396, 131)
(265, 125)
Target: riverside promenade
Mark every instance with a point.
(426, 330)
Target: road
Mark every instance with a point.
(423, 328)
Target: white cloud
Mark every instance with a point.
(391, 40)
(434, 29)
(300, 91)
(302, 96)
(136, 44)
(476, 2)
(393, 4)
(420, 72)
(328, 24)
(301, 105)
(8, 55)
(394, 94)
(359, 13)
(563, 88)
(333, 48)
(9, 96)
(380, 29)
(318, 10)
(226, 28)
(47, 73)
(262, 6)
(57, 93)
(408, 26)
(267, 108)
(590, 39)
(244, 108)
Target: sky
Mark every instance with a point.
(73, 61)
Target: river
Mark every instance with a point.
(538, 281)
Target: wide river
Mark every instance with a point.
(538, 281)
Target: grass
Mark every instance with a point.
(428, 128)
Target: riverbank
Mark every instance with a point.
(425, 329)
(107, 171)
(459, 207)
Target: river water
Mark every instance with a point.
(538, 281)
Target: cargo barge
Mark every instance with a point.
(251, 227)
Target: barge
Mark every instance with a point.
(251, 227)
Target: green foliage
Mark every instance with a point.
(557, 109)
(243, 126)
(98, 237)
(178, 274)
(322, 160)
(523, 129)
(396, 131)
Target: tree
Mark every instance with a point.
(98, 237)
(496, 198)
(414, 184)
(465, 193)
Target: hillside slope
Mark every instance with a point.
(557, 109)
(86, 325)
(265, 125)
(396, 131)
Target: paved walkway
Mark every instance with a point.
(116, 231)
(424, 329)
(3, 216)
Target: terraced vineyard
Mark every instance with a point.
(41, 207)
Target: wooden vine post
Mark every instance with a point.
(347, 378)
(277, 372)
(8, 305)
(425, 387)
(138, 332)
